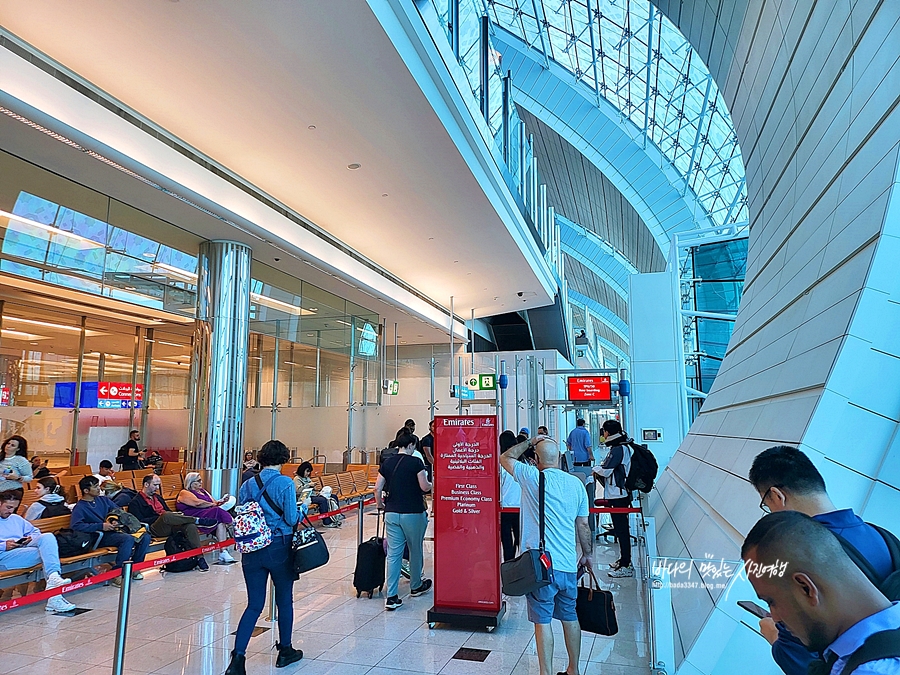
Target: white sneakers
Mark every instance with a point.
(58, 603)
(226, 557)
(55, 580)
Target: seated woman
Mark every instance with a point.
(50, 501)
(305, 490)
(193, 500)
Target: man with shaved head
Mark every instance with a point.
(810, 584)
(565, 520)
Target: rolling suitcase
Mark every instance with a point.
(370, 564)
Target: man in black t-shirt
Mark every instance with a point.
(405, 481)
(130, 453)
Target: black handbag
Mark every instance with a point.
(595, 608)
(532, 569)
(308, 549)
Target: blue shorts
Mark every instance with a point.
(555, 601)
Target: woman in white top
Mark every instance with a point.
(611, 475)
(510, 497)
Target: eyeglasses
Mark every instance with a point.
(762, 505)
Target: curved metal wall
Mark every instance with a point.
(814, 359)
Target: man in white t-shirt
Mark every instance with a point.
(565, 520)
(106, 472)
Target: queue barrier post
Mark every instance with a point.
(359, 524)
(122, 621)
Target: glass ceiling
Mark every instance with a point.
(631, 54)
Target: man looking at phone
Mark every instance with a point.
(811, 586)
(565, 521)
(89, 515)
(22, 546)
(787, 480)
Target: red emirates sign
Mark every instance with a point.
(590, 388)
(119, 391)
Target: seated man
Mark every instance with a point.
(813, 587)
(150, 508)
(22, 545)
(105, 472)
(89, 515)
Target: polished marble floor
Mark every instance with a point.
(181, 624)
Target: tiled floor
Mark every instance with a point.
(182, 625)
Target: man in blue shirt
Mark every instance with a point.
(811, 586)
(579, 444)
(787, 480)
(89, 515)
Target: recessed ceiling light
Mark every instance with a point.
(455, 261)
(354, 166)
(384, 194)
(310, 334)
(420, 336)
(430, 238)
(468, 274)
(311, 126)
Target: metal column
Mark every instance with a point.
(221, 346)
(149, 341)
(275, 386)
(485, 49)
(454, 27)
(134, 372)
(78, 377)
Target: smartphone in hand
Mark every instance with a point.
(23, 541)
(754, 609)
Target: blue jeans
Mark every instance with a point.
(42, 549)
(404, 529)
(323, 506)
(274, 559)
(128, 547)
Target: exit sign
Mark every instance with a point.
(485, 382)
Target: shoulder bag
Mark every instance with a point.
(308, 549)
(533, 569)
(595, 608)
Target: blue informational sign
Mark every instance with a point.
(462, 392)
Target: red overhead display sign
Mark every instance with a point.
(466, 515)
(590, 388)
(119, 390)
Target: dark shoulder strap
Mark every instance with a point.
(883, 645)
(277, 509)
(858, 559)
(541, 508)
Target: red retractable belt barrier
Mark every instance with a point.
(107, 576)
(149, 564)
(596, 509)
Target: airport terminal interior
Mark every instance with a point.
(653, 239)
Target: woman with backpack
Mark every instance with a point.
(611, 475)
(50, 501)
(276, 497)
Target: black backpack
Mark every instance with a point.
(72, 542)
(890, 587)
(177, 543)
(52, 509)
(878, 646)
(644, 469)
